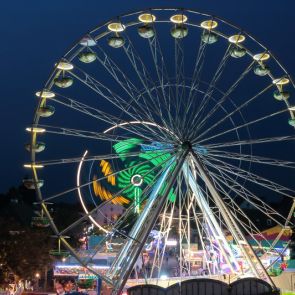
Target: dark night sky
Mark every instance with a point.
(34, 34)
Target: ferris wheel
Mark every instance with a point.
(183, 120)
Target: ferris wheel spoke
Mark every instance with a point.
(145, 193)
(183, 222)
(224, 98)
(110, 96)
(144, 77)
(231, 121)
(250, 141)
(215, 78)
(239, 214)
(244, 125)
(84, 108)
(107, 118)
(165, 229)
(146, 129)
(213, 206)
(118, 75)
(102, 157)
(163, 77)
(126, 84)
(204, 101)
(116, 229)
(180, 80)
(201, 231)
(251, 158)
(254, 178)
(286, 227)
(237, 109)
(91, 134)
(248, 197)
(199, 63)
(148, 84)
(146, 81)
(251, 199)
(102, 90)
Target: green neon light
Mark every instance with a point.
(154, 161)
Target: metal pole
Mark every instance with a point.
(210, 219)
(180, 236)
(189, 235)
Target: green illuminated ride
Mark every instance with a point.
(135, 173)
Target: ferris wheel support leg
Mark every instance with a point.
(257, 267)
(121, 269)
(210, 219)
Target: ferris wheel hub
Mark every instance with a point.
(186, 145)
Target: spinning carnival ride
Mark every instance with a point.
(183, 119)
